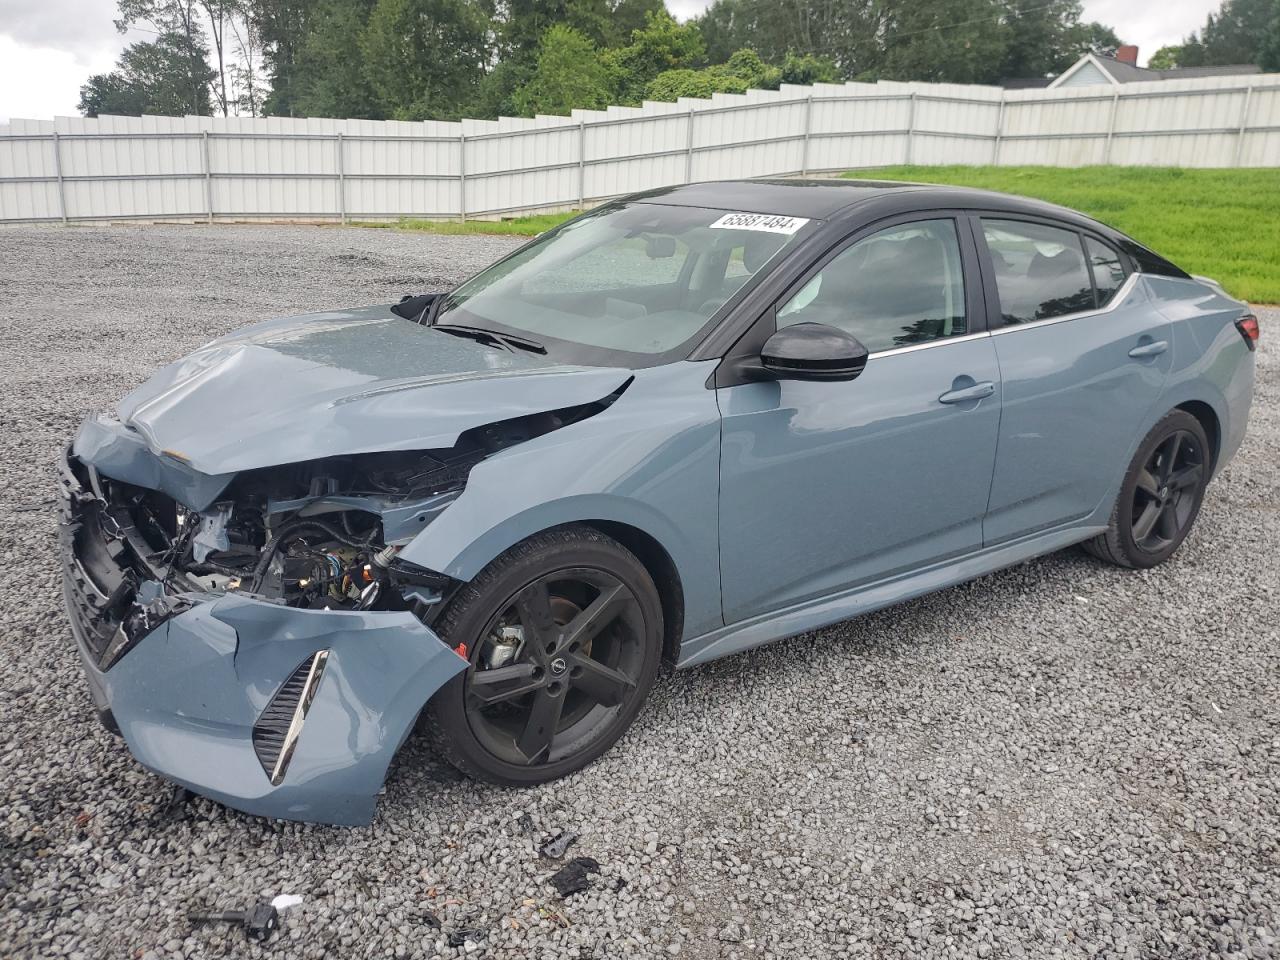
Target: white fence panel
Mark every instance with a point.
(212, 167)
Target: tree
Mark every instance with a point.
(663, 44)
(628, 16)
(329, 72)
(244, 71)
(424, 58)
(1269, 48)
(806, 69)
(846, 32)
(954, 42)
(152, 77)
(1239, 32)
(570, 74)
(671, 85)
(282, 25)
(1166, 58)
(1044, 39)
(224, 21)
(520, 25)
(174, 17)
(743, 71)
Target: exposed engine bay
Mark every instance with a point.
(322, 534)
(325, 533)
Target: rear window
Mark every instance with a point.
(1108, 270)
(1149, 261)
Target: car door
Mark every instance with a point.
(828, 485)
(1083, 357)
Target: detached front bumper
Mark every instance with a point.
(273, 710)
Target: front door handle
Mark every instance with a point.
(1144, 350)
(978, 391)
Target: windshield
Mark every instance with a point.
(636, 278)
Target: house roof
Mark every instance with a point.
(1120, 72)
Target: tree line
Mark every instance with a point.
(1241, 31)
(447, 59)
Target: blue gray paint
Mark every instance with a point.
(783, 506)
(187, 696)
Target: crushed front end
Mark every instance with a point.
(265, 648)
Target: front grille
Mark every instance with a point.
(99, 588)
(103, 564)
(277, 729)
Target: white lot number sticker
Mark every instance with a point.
(765, 222)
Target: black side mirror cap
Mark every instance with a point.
(812, 351)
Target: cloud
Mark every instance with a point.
(80, 28)
(1151, 25)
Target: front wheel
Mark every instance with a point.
(563, 636)
(1160, 497)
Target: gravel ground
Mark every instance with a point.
(1059, 760)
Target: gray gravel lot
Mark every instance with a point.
(1059, 760)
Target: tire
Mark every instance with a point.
(1160, 497)
(565, 627)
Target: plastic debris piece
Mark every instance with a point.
(459, 937)
(259, 921)
(177, 804)
(573, 876)
(555, 848)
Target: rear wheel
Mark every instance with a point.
(563, 635)
(1160, 497)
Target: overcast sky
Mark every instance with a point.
(48, 48)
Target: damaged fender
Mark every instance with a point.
(650, 461)
(187, 697)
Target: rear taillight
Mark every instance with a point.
(1248, 327)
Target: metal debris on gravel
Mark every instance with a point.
(1060, 760)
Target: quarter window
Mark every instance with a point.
(900, 286)
(1108, 271)
(1040, 271)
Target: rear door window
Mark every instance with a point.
(1040, 270)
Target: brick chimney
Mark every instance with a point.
(1127, 53)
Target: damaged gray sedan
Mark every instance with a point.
(679, 426)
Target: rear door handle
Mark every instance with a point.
(978, 391)
(1145, 350)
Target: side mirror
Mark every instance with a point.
(813, 351)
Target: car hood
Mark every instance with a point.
(346, 382)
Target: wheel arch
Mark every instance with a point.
(1208, 418)
(666, 577)
(688, 590)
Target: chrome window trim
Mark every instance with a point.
(937, 342)
(309, 686)
(1122, 294)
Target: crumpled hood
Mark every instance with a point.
(354, 381)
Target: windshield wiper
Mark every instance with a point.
(505, 340)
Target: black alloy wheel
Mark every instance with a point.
(1166, 493)
(577, 656)
(1161, 495)
(563, 635)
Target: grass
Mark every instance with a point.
(517, 226)
(1223, 224)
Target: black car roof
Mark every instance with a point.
(827, 199)
(816, 199)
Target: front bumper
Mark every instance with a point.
(186, 696)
